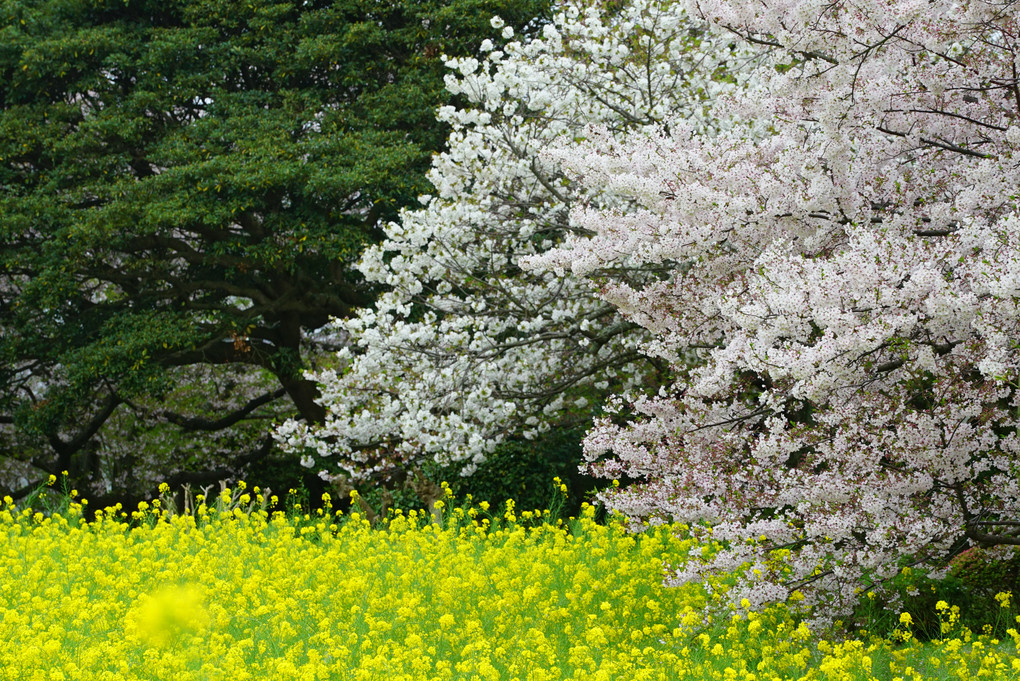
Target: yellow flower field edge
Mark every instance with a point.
(238, 590)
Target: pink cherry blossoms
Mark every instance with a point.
(843, 256)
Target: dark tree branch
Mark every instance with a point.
(198, 423)
(940, 144)
(939, 348)
(987, 539)
(66, 449)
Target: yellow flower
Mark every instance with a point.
(167, 613)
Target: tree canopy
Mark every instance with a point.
(806, 211)
(465, 348)
(186, 183)
(844, 257)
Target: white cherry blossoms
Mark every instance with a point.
(845, 257)
(464, 347)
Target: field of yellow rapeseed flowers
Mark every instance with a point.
(234, 590)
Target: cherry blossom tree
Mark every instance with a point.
(843, 253)
(464, 347)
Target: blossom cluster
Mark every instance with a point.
(464, 346)
(844, 257)
(234, 590)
